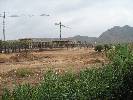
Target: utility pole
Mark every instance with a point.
(60, 30)
(4, 16)
(61, 25)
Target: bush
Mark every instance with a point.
(107, 47)
(112, 82)
(99, 48)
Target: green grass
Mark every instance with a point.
(112, 82)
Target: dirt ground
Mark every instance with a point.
(58, 60)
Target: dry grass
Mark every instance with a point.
(23, 72)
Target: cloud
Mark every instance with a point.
(85, 17)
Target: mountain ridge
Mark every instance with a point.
(117, 34)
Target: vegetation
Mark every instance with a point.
(13, 46)
(23, 72)
(112, 82)
(99, 48)
(107, 47)
(0, 46)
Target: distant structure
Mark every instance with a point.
(61, 25)
(46, 43)
(40, 44)
(55, 43)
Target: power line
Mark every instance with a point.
(61, 25)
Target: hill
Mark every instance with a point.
(75, 38)
(83, 38)
(117, 34)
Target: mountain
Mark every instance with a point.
(83, 38)
(75, 38)
(117, 34)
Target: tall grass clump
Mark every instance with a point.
(112, 82)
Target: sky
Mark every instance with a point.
(85, 17)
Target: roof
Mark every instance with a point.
(45, 39)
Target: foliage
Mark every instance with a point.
(112, 82)
(0, 46)
(99, 48)
(107, 47)
(13, 46)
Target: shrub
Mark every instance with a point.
(107, 47)
(99, 48)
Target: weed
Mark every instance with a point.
(23, 72)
